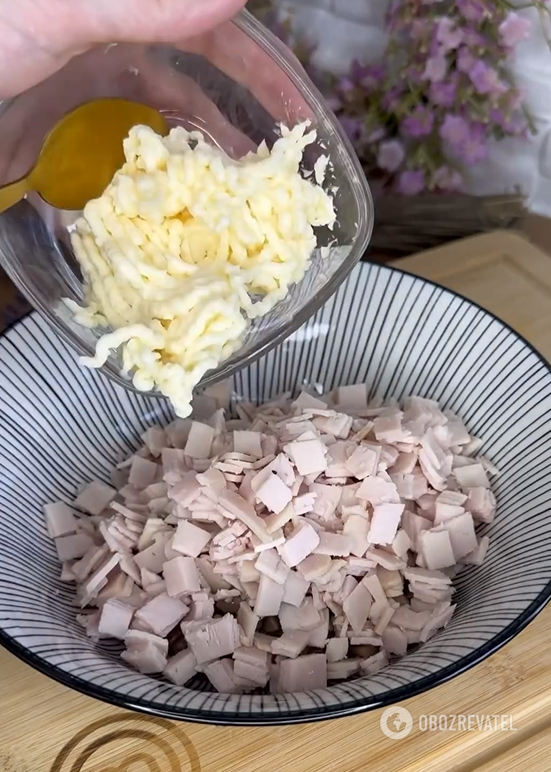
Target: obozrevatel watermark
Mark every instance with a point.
(397, 722)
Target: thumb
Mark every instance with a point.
(153, 21)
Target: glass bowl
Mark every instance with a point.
(237, 84)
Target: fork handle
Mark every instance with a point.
(13, 192)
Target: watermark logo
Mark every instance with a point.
(397, 722)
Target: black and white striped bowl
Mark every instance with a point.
(61, 426)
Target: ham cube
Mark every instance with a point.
(60, 519)
(199, 441)
(142, 472)
(155, 440)
(336, 649)
(189, 539)
(295, 589)
(73, 546)
(269, 597)
(162, 614)
(302, 542)
(363, 461)
(335, 544)
(436, 548)
(146, 660)
(187, 490)
(213, 639)
(308, 456)
(248, 621)
(270, 564)
(303, 674)
(472, 476)
(378, 491)
(357, 606)
(115, 619)
(181, 576)
(395, 640)
(274, 494)
(248, 443)
(291, 644)
(356, 528)
(95, 497)
(180, 668)
(384, 523)
(462, 536)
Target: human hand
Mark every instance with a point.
(38, 37)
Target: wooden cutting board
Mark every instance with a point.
(45, 727)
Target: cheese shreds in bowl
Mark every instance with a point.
(302, 543)
(186, 245)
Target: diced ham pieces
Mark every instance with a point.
(278, 546)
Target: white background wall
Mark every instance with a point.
(348, 29)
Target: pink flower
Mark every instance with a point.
(435, 69)
(472, 10)
(391, 155)
(411, 182)
(443, 94)
(445, 178)
(391, 99)
(465, 60)
(513, 29)
(485, 79)
(454, 130)
(419, 123)
(448, 35)
(474, 150)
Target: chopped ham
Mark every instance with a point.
(308, 456)
(299, 544)
(303, 673)
(340, 524)
(189, 539)
(181, 576)
(472, 476)
(291, 644)
(95, 497)
(115, 619)
(384, 523)
(213, 639)
(274, 494)
(73, 546)
(248, 442)
(60, 519)
(199, 441)
(269, 597)
(436, 548)
(142, 473)
(180, 668)
(162, 614)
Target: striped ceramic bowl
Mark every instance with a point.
(61, 426)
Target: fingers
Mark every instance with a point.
(154, 21)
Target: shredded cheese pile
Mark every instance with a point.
(181, 240)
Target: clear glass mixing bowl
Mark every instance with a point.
(236, 84)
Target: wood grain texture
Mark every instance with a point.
(44, 726)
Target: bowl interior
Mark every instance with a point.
(236, 84)
(61, 426)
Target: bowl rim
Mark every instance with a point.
(290, 717)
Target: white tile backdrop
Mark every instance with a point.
(348, 29)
